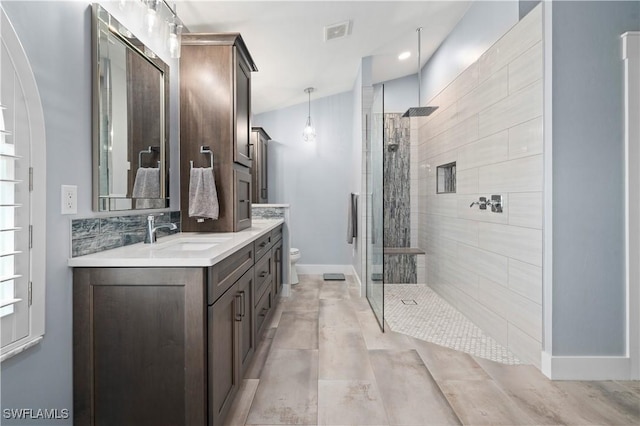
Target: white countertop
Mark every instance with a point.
(174, 250)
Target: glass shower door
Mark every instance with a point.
(375, 225)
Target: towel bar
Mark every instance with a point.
(205, 150)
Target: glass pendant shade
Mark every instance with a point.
(309, 132)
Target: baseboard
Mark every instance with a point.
(586, 367)
(324, 269)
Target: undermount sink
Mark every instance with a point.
(191, 244)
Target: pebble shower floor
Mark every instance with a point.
(434, 320)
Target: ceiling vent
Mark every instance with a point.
(337, 31)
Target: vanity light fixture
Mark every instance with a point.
(175, 34)
(309, 132)
(152, 13)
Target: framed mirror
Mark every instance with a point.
(130, 119)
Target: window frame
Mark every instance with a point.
(38, 197)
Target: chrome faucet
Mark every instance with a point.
(151, 228)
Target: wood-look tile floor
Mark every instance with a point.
(323, 360)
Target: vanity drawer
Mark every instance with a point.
(262, 245)
(263, 274)
(263, 308)
(225, 273)
(276, 234)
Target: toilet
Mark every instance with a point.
(294, 255)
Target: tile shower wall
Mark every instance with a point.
(396, 169)
(99, 234)
(489, 120)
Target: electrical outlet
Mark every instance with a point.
(69, 199)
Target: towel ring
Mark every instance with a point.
(205, 150)
(149, 150)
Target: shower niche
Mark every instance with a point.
(446, 178)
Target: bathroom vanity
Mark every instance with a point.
(163, 333)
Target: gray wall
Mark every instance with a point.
(483, 24)
(401, 94)
(314, 178)
(588, 180)
(57, 39)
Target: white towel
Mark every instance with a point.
(146, 188)
(203, 197)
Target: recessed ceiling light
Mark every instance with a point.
(404, 55)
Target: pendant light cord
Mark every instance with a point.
(419, 30)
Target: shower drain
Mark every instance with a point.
(409, 302)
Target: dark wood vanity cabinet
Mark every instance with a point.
(259, 172)
(215, 111)
(168, 346)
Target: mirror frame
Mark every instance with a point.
(115, 28)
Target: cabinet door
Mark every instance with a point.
(246, 333)
(139, 346)
(242, 153)
(262, 169)
(223, 359)
(242, 194)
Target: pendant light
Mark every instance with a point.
(419, 111)
(309, 132)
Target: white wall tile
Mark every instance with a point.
(520, 38)
(489, 150)
(525, 209)
(526, 139)
(484, 263)
(461, 230)
(523, 244)
(487, 93)
(494, 296)
(524, 346)
(526, 69)
(526, 315)
(442, 204)
(467, 181)
(526, 280)
(521, 175)
(515, 109)
(460, 277)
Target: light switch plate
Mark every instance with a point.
(69, 199)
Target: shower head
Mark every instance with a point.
(392, 147)
(419, 111)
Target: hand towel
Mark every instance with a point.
(146, 188)
(352, 219)
(203, 197)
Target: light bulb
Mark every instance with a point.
(309, 133)
(175, 35)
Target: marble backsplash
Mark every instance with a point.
(258, 212)
(97, 234)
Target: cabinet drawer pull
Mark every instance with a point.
(262, 244)
(243, 201)
(242, 304)
(238, 310)
(263, 274)
(263, 312)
